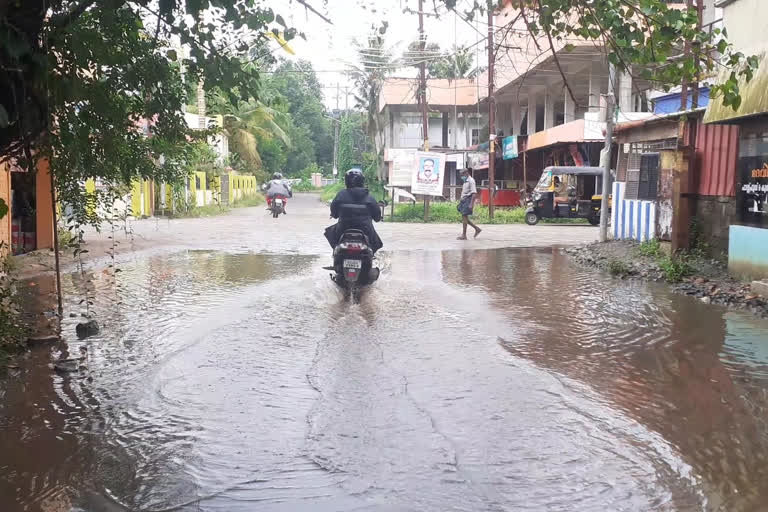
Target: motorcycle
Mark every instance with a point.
(277, 206)
(353, 263)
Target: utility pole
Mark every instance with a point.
(491, 118)
(697, 52)
(336, 135)
(423, 94)
(608, 145)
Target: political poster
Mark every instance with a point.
(428, 174)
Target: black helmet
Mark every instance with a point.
(277, 176)
(354, 178)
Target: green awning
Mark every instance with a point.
(754, 95)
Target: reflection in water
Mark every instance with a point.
(465, 380)
(657, 356)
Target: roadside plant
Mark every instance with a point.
(675, 268)
(12, 332)
(650, 248)
(618, 268)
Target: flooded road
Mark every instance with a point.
(467, 380)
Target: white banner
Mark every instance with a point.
(427, 178)
(403, 162)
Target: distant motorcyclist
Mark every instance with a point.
(354, 194)
(278, 187)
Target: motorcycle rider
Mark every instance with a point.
(355, 193)
(278, 187)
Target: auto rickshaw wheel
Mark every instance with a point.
(531, 218)
(594, 219)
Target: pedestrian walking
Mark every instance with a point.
(467, 203)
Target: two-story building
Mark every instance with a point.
(553, 101)
(455, 123)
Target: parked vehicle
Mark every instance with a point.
(277, 205)
(566, 192)
(353, 263)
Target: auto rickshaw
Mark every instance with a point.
(566, 193)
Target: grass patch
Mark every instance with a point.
(329, 192)
(675, 268)
(250, 201)
(618, 268)
(446, 213)
(650, 248)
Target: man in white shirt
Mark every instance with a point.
(467, 203)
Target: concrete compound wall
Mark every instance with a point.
(632, 218)
(713, 216)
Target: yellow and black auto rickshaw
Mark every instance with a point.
(567, 192)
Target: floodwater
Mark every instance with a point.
(464, 380)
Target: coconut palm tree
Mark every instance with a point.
(375, 62)
(251, 123)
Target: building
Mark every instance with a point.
(455, 124)
(553, 104)
(745, 210)
(28, 225)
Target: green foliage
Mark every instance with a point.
(284, 132)
(330, 191)
(675, 268)
(650, 248)
(11, 330)
(3, 208)
(353, 143)
(303, 186)
(457, 63)
(646, 35)
(79, 80)
(618, 268)
(446, 212)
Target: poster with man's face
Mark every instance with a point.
(428, 174)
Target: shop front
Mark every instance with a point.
(748, 240)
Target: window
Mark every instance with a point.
(643, 180)
(475, 136)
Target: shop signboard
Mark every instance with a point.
(752, 192)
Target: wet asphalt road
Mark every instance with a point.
(469, 378)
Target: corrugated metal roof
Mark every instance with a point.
(717, 151)
(754, 95)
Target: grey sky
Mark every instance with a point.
(330, 47)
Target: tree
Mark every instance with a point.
(375, 63)
(253, 123)
(80, 80)
(644, 35)
(297, 83)
(352, 142)
(458, 63)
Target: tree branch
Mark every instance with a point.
(315, 11)
(554, 55)
(62, 20)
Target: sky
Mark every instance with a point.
(330, 46)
